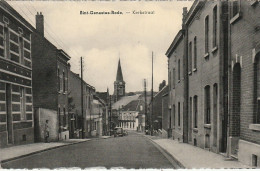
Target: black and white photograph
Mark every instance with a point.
(129, 84)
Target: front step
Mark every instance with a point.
(231, 158)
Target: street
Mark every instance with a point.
(132, 151)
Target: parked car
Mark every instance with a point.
(118, 132)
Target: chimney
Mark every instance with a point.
(40, 23)
(184, 15)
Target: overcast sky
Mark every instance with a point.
(100, 39)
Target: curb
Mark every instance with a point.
(40, 151)
(176, 161)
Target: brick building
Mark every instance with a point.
(219, 64)
(16, 102)
(198, 95)
(244, 130)
(156, 109)
(75, 110)
(166, 117)
(50, 80)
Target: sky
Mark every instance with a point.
(102, 39)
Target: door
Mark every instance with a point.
(9, 114)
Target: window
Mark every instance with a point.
(190, 118)
(173, 109)
(207, 104)
(206, 34)
(195, 52)
(179, 114)
(170, 81)
(257, 89)
(64, 82)
(235, 7)
(195, 108)
(190, 57)
(22, 102)
(173, 78)
(6, 42)
(64, 117)
(215, 21)
(2, 41)
(61, 83)
(58, 75)
(21, 49)
(179, 69)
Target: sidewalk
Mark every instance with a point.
(195, 157)
(19, 151)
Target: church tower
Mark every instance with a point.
(119, 84)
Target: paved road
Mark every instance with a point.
(132, 151)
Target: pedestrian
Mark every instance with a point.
(46, 132)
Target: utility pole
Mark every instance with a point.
(81, 68)
(151, 116)
(110, 107)
(145, 106)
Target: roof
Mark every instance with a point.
(119, 75)
(132, 106)
(163, 91)
(64, 54)
(103, 96)
(77, 76)
(196, 6)
(9, 9)
(174, 44)
(124, 101)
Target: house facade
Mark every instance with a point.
(220, 66)
(16, 102)
(76, 110)
(244, 122)
(50, 85)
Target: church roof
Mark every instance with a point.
(119, 75)
(124, 101)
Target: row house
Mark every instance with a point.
(50, 85)
(213, 67)
(105, 101)
(244, 88)
(98, 114)
(197, 99)
(16, 102)
(155, 109)
(80, 104)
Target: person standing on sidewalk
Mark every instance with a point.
(46, 132)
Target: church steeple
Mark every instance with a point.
(119, 75)
(119, 84)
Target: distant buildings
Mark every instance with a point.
(213, 79)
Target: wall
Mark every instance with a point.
(44, 65)
(41, 115)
